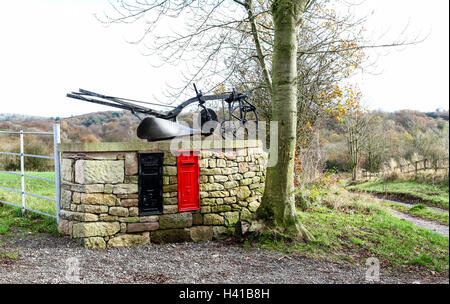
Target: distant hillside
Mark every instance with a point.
(112, 126)
(93, 127)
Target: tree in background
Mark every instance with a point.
(355, 125)
(376, 148)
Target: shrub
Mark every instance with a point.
(12, 162)
(417, 207)
(37, 164)
(334, 165)
(392, 177)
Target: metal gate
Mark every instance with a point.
(56, 157)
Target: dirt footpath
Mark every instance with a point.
(53, 259)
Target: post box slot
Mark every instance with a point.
(150, 183)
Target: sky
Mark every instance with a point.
(51, 47)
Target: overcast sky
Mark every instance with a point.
(51, 47)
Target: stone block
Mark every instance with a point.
(253, 206)
(197, 219)
(131, 179)
(133, 211)
(131, 164)
(127, 240)
(170, 188)
(177, 220)
(95, 171)
(76, 197)
(108, 218)
(229, 200)
(108, 189)
(119, 211)
(131, 219)
(245, 181)
(205, 209)
(212, 163)
(63, 226)
(140, 227)
(231, 184)
(125, 189)
(170, 209)
(129, 202)
(66, 170)
(221, 232)
(220, 208)
(219, 194)
(66, 199)
(243, 192)
(243, 167)
(170, 236)
(246, 215)
(95, 229)
(169, 170)
(203, 163)
(213, 219)
(231, 218)
(201, 233)
(149, 218)
(211, 187)
(92, 208)
(221, 163)
(170, 201)
(221, 178)
(249, 174)
(94, 243)
(99, 199)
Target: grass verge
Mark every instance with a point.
(35, 186)
(12, 216)
(351, 227)
(433, 195)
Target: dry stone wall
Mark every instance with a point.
(99, 198)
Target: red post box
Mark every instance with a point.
(188, 173)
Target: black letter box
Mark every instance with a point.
(150, 183)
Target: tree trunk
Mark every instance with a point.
(278, 203)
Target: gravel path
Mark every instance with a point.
(427, 224)
(411, 205)
(430, 225)
(44, 259)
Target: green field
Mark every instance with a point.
(35, 186)
(433, 195)
(11, 217)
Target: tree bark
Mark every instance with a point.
(278, 203)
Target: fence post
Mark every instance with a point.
(22, 172)
(56, 140)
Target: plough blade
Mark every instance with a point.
(153, 129)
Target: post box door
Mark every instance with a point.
(150, 183)
(188, 181)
